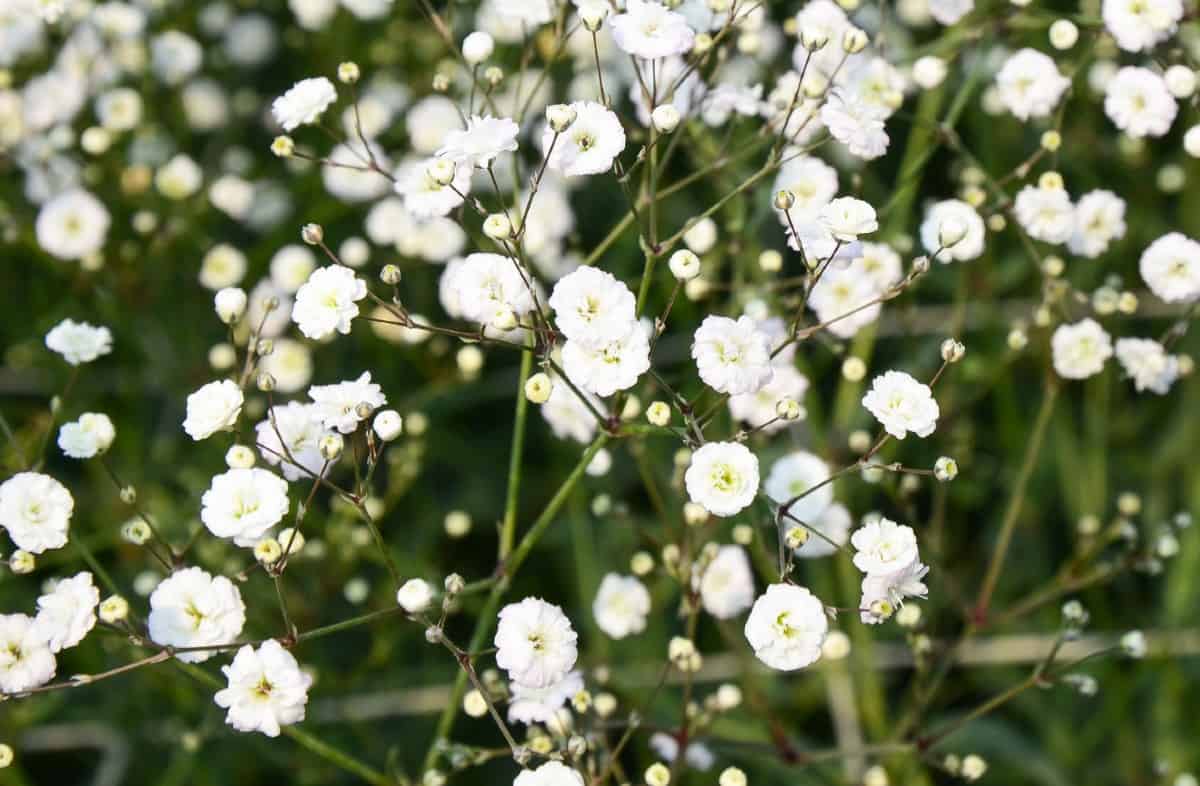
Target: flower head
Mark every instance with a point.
(621, 606)
(244, 504)
(89, 436)
(535, 643)
(786, 627)
(649, 30)
(36, 510)
(214, 407)
(732, 355)
(25, 657)
(481, 141)
(68, 611)
(303, 103)
(191, 608)
(589, 145)
(902, 404)
(79, 342)
(327, 302)
(722, 477)
(1080, 349)
(267, 689)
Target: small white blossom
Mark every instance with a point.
(591, 143)
(722, 477)
(552, 773)
(1080, 349)
(68, 612)
(214, 407)
(1030, 84)
(1147, 364)
(902, 404)
(621, 606)
(79, 342)
(1170, 266)
(267, 689)
(36, 510)
(244, 504)
(732, 355)
(727, 584)
(883, 547)
(303, 103)
(535, 643)
(337, 405)
(481, 141)
(92, 434)
(327, 302)
(786, 627)
(1138, 102)
(25, 657)
(649, 30)
(191, 608)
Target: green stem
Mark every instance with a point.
(509, 527)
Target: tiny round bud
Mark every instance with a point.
(414, 596)
(657, 774)
(348, 73)
(920, 265)
(312, 234)
(498, 227)
(1051, 141)
(1063, 34)
(493, 75)
(1051, 181)
(560, 117)
(6, 755)
(477, 47)
(21, 562)
(128, 495)
(929, 71)
(859, 441)
(641, 563)
(796, 537)
(265, 381)
(388, 424)
(114, 609)
(457, 523)
(1191, 141)
(441, 83)
(442, 171)
(264, 347)
(770, 261)
(239, 457)
(731, 776)
(702, 43)
(1017, 339)
(454, 584)
(854, 40)
(684, 264)
(882, 608)
(945, 469)
(268, 551)
(909, 616)
(784, 199)
(953, 350)
(538, 388)
(973, 767)
(1181, 81)
(469, 361)
(605, 704)
(390, 275)
(331, 446)
(665, 118)
(230, 304)
(854, 369)
(658, 413)
(592, 17)
(814, 38)
(474, 704)
(1127, 303)
(136, 532)
(694, 514)
(788, 409)
(283, 146)
(291, 540)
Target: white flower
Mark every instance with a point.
(290, 363)
(178, 179)
(855, 124)
(1139, 25)
(299, 452)
(1147, 364)
(902, 404)
(972, 243)
(36, 510)
(25, 657)
(327, 301)
(846, 218)
(883, 547)
(1099, 220)
(650, 31)
(591, 143)
(68, 611)
(568, 416)
(732, 356)
(842, 298)
(414, 596)
(727, 585)
(267, 689)
(244, 504)
(591, 306)
(832, 525)
(1080, 349)
(621, 606)
(1030, 85)
(528, 12)
(758, 408)
(552, 773)
(89, 436)
(1138, 102)
(481, 141)
(426, 197)
(337, 405)
(786, 627)
(191, 608)
(1170, 266)
(722, 477)
(79, 342)
(892, 589)
(541, 705)
(487, 286)
(1046, 213)
(812, 183)
(223, 266)
(948, 12)
(799, 473)
(535, 643)
(72, 225)
(214, 407)
(605, 367)
(303, 103)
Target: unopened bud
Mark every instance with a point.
(538, 388)
(665, 118)
(390, 275)
(953, 350)
(684, 264)
(854, 41)
(348, 73)
(312, 234)
(560, 117)
(441, 171)
(331, 446)
(497, 227)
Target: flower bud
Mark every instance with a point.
(658, 413)
(657, 774)
(1051, 180)
(283, 146)
(538, 388)
(128, 495)
(312, 234)
(814, 38)
(265, 381)
(457, 523)
(388, 425)
(770, 261)
(951, 232)
(731, 776)
(784, 199)
(796, 537)
(854, 41)
(230, 304)
(973, 767)
(920, 265)
(136, 532)
(331, 446)
(415, 596)
(454, 584)
(114, 609)
(953, 350)
(788, 409)
(1063, 34)
(560, 117)
(498, 227)
(641, 563)
(702, 43)
(1181, 81)
(441, 83)
(21, 562)
(477, 47)
(268, 551)
(390, 275)
(945, 469)
(493, 75)
(348, 73)
(291, 540)
(441, 171)
(593, 17)
(1051, 141)
(684, 264)
(665, 118)
(1133, 644)
(239, 457)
